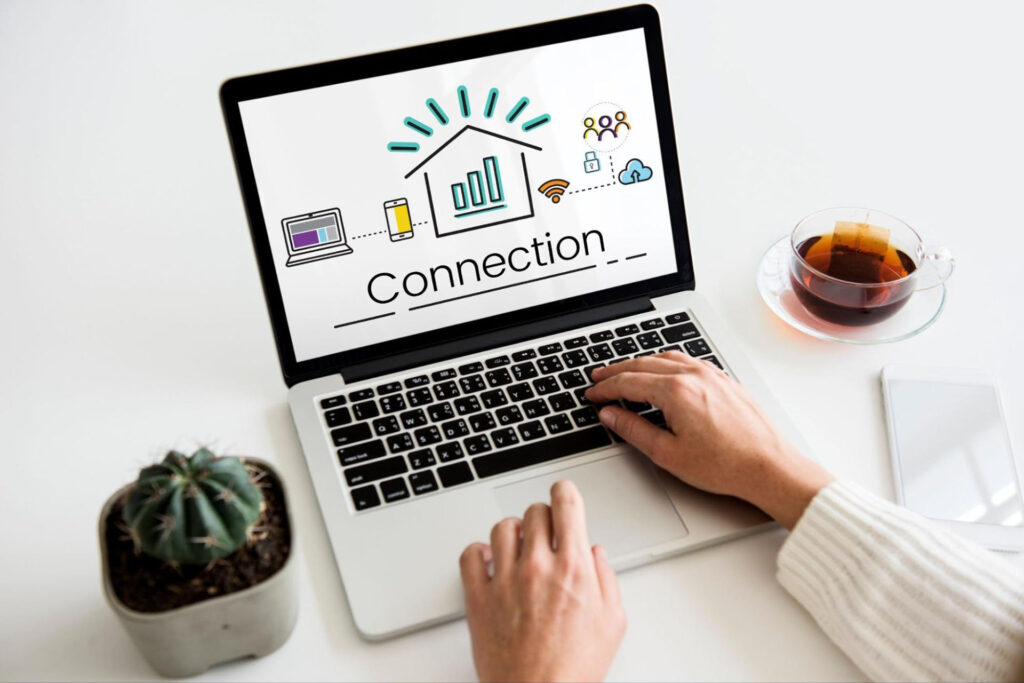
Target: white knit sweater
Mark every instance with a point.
(904, 599)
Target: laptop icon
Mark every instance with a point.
(314, 237)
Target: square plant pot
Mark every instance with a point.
(188, 640)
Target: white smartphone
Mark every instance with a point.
(951, 454)
(399, 221)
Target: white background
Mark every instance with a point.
(326, 147)
(122, 337)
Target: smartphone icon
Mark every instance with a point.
(399, 222)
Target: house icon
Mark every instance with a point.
(477, 179)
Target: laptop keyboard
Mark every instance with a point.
(433, 431)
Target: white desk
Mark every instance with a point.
(133, 318)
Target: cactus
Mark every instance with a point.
(192, 509)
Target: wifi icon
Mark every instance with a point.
(554, 189)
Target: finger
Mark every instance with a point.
(652, 364)
(633, 386)
(505, 545)
(473, 567)
(537, 529)
(607, 579)
(568, 518)
(646, 436)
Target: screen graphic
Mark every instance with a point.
(506, 182)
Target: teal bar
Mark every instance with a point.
(418, 126)
(403, 146)
(464, 101)
(476, 188)
(493, 176)
(459, 195)
(437, 111)
(492, 100)
(515, 111)
(535, 123)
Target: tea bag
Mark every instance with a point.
(847, 237)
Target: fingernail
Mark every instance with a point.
(597, 371)
(607, 418)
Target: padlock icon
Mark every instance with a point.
(591, 164)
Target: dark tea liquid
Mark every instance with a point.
(845, 304)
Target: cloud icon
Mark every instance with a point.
(635, 172)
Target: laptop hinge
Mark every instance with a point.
(501, 337)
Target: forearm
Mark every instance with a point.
(902, 598)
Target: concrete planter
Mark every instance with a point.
(189, 640)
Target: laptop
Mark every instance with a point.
(436, 382)
(314, 236)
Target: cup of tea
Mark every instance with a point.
(853, 266)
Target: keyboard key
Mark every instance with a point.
(677, 318)
(498, 361)
(672, 347)
(364, 411)
(562, 401)
(499, 377)
(475, 445)
(400, 442)
(454, 429)
(600, 352)
(343, 436)
(481, 422)
(419, 397)
(531, 430)
(422, 482)
(427, 436)
(697, 347)
(447, 452)
(524, 371)
(520, 392)
(557, 424)
(385, 426)
(455, 474)
(494, 398)
(509, 415)
(680, 332)
(545, 385)
(655, 416)
(392, 404)
(413, 418)
(652, 324)
(365, 497)
(585, 417)
(536, 408)
(624, 347)
(541, 451)
(636, 407)
(550, 365)
(360, 395)
(715, 361)
(574, 359)
(548, 349)
(394, 489)
(626, 330)
(332, 402)
(446, 390)
(601, 336)
(575, 342)
(572, 379)
(649, 340)
(440, 411)
(525, 354)
(503, 438)
(467, 405)
(424, 457)
(389, 388)
(470, 368)
(372, 471)
(338, 417)
(441, 375)
(369, 450)
(417, 381)
(589, 370)
(471, 384)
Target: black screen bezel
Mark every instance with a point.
(237, 90)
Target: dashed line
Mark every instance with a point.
(420, 223)
(588, 189)
(369, 234)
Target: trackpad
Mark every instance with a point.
(627, 508)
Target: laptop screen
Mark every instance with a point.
(466, 190)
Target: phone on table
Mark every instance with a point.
(951, 454)
(399, 221)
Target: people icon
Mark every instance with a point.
(620, 120)
(605, 125)
(588, 124)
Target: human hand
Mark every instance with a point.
(550, 610)
(717, 437)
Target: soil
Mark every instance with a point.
(146, 584)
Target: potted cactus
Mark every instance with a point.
(196, 558)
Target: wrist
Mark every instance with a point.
(790, 484)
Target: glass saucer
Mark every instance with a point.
(923, 308)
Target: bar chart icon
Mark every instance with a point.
(481, 192)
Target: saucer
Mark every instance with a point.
(922, 309)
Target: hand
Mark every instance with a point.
(551, 611)
(717, 438)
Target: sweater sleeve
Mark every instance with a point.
(903, 598)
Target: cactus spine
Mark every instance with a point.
(192, 509)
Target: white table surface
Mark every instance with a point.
(133, 318)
